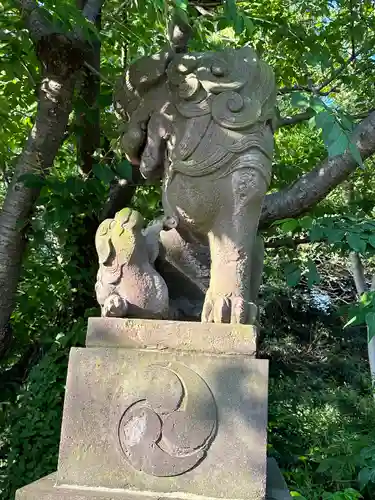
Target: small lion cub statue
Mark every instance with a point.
(127, 283)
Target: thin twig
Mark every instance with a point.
(288, 90)
(294, 119)
(317, 89)
(28, 72)
(97, 73)
(287, 242)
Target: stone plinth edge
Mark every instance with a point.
(44, 489)
(172, 335)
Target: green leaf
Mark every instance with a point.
(306, 222)
(352, 321)
(371, 240)
(103, 173)
(223, 23)
(239, 24)
(364, 477)
(370, 322)
(313, 277)
(124, 170)
(182, 4)
(316, 233)
(339, 145)
(367, 298)
(249, 25)
(292, 274)
(324, 119)
(317, 105)
(300, 100)
(289, 226)
(356, 242)
(347, 123)
(4, 106)
(355, 153)
(335, 235)
(105, 99)
(324, 466)
(32, 181)
(230, 9)
(334, 133)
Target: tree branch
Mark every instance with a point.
(62, 56)
(89, 90)
(120, 194)
(358, 273)
(315, 185)
(55, 97)
(317, 89)
(40, 23)
(92, 10)
(288, 90)
(295, 119)
(286, 242)
(337, 73)
(36, 18)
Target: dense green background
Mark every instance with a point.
(321, 411)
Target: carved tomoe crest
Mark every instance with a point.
(168, 433)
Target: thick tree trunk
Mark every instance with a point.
(62, 56)
(55, 98)
(315, 185)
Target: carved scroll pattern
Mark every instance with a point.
(169, 432)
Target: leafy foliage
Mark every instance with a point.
(321, 414)
(32, 426)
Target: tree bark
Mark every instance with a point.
(55, 98)
(61, 56)
(88, 121)
(358, 273)
(315, 185)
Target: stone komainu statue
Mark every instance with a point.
(127, 282)
(203, 123)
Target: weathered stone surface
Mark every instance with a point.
(128, 284)
(203, 123)
(176, 335)
(215, 427)
(44, 490)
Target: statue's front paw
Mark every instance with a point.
(115, 307)
(228, 309)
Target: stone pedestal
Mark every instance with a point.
(159, 409)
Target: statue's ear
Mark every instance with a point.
(103, 241)
(147, 71)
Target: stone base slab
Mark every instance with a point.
(163, 410)
(172, 335)
(45, 489)
(210, 411)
